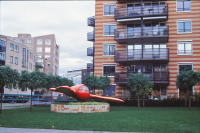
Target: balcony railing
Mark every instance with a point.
(2, 48)
(2, 62)
(90, 36)
(156, 55)
(158, 77)
(90, 51)
(142, 11)
(151, 33)
(39, 64)
(89, 67)
(91, 21)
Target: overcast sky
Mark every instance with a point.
(66, 19)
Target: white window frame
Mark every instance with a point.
(49, 42)
(183, 20)
(109, 4)
(184, 11)
(14, 40)
(109, 44)
(17, 50)
(12, 48)
(37, 49)
(48, 48)
(184, 41)
(28, 40)
(16, 60)
(38, 42)
(109, 24)
(11, 61)
(108, 64)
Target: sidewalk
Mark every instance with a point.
(29, 130)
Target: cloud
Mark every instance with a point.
(66, 19)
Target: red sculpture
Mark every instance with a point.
(81, 93)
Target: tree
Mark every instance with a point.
(33, 80)
(91, 81)
(104, 83)
(52, 82)
(65, 81)
(8, 78)
(185, 80)
(140, 84)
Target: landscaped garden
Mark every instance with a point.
(121, 119)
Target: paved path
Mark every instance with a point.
(29, 130)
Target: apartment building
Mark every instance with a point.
(157, 38)
(19, 57)
(46, 49)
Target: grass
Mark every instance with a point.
(121, 119)
(81, 103)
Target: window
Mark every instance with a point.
(48, 42)
(16, 48)
(22, 41)
(1, 56)
(23, 57)
(109, 9)
(11, 46)
(184, 26)
(29, 41)
(183, 5)
(27, 54)
(47, 50)
(108, 29)
(48, 65)
(16, 60)
(14, 40)
(39, 41)
(109, 70)
(39, 49)
(185, 47)
(47, 57)
(109, 49)
(11, 59)
(48, 72)
(30, 66)
(182, 66)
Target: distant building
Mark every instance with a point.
(26, 53)
(46, 49)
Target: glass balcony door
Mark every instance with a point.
(133, 9)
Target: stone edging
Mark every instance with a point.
(79, 108)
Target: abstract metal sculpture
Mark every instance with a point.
(81, 93)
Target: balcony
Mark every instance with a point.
(158, 12)
(39, 64)
(90, 36)
(158, 77)
(91, 21)
(90, 51)
(89, 67)
(147, 55)
(2, 62)
(2, 48)
(148, 34)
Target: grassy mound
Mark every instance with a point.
(81, 103)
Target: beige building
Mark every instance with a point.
(46, 49)
(26, 53)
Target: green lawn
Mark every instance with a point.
(121, 119)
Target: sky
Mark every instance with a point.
(67, 20)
